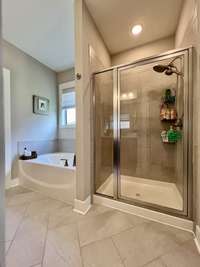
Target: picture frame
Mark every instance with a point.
(40, 105)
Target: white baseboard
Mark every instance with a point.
(180, 223)
(197, 238)
(12, 183)
(82, 207)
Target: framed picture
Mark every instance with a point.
(40, 105)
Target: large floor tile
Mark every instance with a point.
(7, 245)
(101, 254)
(45, 206)
(105, 225)
(66, 215)
(62, 248)
(23, 198)
(155, 263)
(14, 215)
(178, 235)
(16, 190)
(97, 209)
(144, 243)
(184, 256)
(46, 233)
(28, 245)
(190, 246)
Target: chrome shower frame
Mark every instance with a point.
(187, 211)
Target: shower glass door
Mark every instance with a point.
(103, 133)
(152, 106)
(142, 133)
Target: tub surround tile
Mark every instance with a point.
(105, 225)
(102, 254)
(62, 248)
(67, 145)
(42, 147)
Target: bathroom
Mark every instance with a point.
(101, 108)
(36, 78)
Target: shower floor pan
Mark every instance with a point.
(150, 191)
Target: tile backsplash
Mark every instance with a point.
(47, 146)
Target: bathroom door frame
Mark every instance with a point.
(188, 132)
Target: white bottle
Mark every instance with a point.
(27, 153)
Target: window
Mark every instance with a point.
(67, 107)
(125, 121)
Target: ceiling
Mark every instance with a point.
(44, 29)
(115, 18)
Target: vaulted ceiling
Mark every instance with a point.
(44, 29)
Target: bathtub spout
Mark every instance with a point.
(66, 164)
(74, 161)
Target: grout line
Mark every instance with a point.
(118, 252)
(18, 227)
(36, 265)
(157, 258)
(45, 240)
(107, 237)
(80, 248)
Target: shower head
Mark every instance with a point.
(160, 68)
(168, 69)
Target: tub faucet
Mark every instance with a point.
(66, 162)
(74, 161)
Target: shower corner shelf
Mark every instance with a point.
(168, 120)
(171, 143)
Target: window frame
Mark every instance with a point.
(65, 86)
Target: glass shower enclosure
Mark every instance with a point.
(143, 133)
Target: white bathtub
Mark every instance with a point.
(48, 175)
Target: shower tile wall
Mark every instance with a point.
(142, 152)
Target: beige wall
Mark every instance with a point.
(86, 63)
(29, 77)
(147, 50)
(188, 34)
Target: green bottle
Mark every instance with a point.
(172, 135)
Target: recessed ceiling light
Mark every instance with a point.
(137, 29)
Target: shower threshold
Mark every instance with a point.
(150, 191)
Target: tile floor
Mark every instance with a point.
(41, 232)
